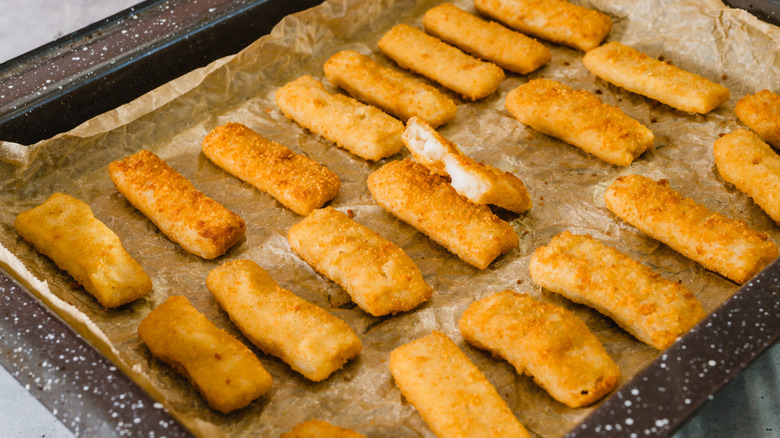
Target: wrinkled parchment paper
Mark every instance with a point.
(725, 45)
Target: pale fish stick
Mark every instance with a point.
(430, 204)
(297, 182)
(718, 243)
(633, 70)
(752, 166)
(320, 429)
(376, 273)
(364, 130)
(450, 392)
(428, 56)
(222, 369)
(553, 20)
(578, 117)
(306, 337)
(479, 182)
(490, 41)
(761, 113)
(653, 309)
(388, 89)
(198, 223)
(64, 229)
(545, 341)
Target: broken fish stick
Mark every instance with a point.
(297, 182)
(320, 429)
(376, 273)
(544, 341)
(201, 225)
(761, 113)
(718, 243)
(306, 337)
(388, 89)
(438, 61)
(490, 41)
(633, 70)
(431, 205)
(653, 309)
(744, 160)
(450, 392)
(479, 182)
(364, 130)
(222, 369)
(579, 118)
(64, 229)
(553, 20)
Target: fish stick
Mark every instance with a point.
(545, 341)
(306, 337)
(388, 89)
(438, 61)
(633, 70)
(64, 229)
(198, 223)
(222, 369)
(653, 309)
(490, 41)
(478, 182)
(761, 113)
(364, 130)
(752, 166)
(377, 274)
(320, 429)
(431, 205)
(718, 243)
(449, 392)
(578, 117)
(553, 20)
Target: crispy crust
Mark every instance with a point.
(761, 113)
(320, 429)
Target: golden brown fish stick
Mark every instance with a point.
(553, 20)
(222, 369)
(413, 50)
(761, 113)
(490, 41)
(578, 117)
(449, 391)
(365, 131)
(320, 429)
(655, 310)
(306, 337)
(752, 166)
(633, 70)
(718, 243)
(388, 89)
(545, 341)
(64, 229)
(376, 273)
(430, 204)
(198, 223)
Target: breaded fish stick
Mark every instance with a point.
(545, 341)
(490, 41)
(752, 166)
(653, 309)
(391, 90)
(761, 113)
(365, 131)
(430, 204)
(578, 117)
(64, 229)
(633, 70)
(306, 337)
(299, 183)
(449, 392)
(553, 20)
(376, 273)
(413, 50)
(198, 223)
(320, 429)
(718, 243)
(479, 182)
(222, 369)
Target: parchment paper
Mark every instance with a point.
(566, 185)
